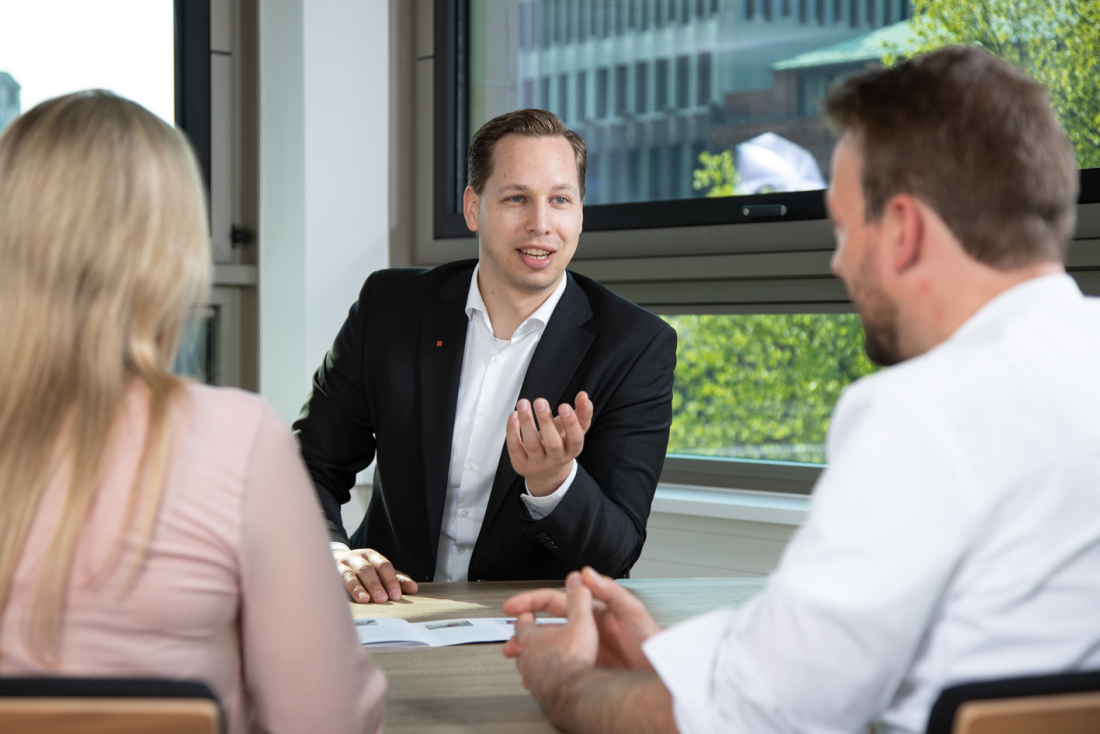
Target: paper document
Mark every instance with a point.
(390, 632)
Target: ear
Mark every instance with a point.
(903, 230)
(470, 204)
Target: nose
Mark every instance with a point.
(539, 221)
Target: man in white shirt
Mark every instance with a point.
(449, 376)
(954, 535)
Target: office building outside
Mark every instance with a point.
(651, 84)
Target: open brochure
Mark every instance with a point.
(391, 632)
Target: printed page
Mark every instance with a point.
(466, 631)
(391, 632)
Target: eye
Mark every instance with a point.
(515, 199)
(561, 200)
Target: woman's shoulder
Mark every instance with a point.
(227, 421)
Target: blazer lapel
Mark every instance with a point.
(558, 355)
(442, 343)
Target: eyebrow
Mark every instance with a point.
(509, 188)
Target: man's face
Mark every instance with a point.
(857, 259)
(528, 216)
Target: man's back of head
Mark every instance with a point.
(977, 140)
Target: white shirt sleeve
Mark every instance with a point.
(827, 645)
(540, 507)
(334, 546)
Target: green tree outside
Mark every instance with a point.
(1057, 42)
(761, 386)
(718, 176)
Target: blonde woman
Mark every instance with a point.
(148, 526)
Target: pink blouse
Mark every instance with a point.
(237, 589)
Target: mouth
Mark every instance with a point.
(535, 257)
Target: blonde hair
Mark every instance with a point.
(104, 248)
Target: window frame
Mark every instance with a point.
(719, 263)
(452, 134)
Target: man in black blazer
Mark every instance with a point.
(449, 376)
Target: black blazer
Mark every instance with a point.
(390, 385)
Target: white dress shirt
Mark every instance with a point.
(492, 375)
(954, 537)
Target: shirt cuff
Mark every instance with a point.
(334, 546)
(540, 507)
(683, 657)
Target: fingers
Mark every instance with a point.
(532, 443)
(369, 576)
(620, 602)
(351, 583)
(548, 431)
(516, 452)
(386, 575)
(540, 600)
(584, 410)
(571, 427)
(579, 602)
(408, 586)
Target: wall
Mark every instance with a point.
(324, 194)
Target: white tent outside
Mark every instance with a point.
(769, 162)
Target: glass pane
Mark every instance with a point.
(197, 357)
(723, 97)
(52, 47)
(761, 386)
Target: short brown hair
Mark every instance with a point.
(975, 139)
(530, 123)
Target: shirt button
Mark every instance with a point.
(484, 410)
(472, 466)
(496, 357)
(460, 549)
(465, 513)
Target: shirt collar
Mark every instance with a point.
(1040, 292)
(534, 322)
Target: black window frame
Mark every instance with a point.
(192, 77)
(452, 134)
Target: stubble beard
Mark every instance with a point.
(879, 315)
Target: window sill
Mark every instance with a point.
(731, 504)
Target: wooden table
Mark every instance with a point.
(473, 688)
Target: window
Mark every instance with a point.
(660, 85)
(702, 95)
(683, 75)
(708, 279)
(582, 96)
(620, 90)
(641, 87)
(761, 386)
(525, 26)
(132, 51)
(563, 97)
(106, 38)
(601, 93)
(751, 99)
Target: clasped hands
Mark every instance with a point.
(606, 628)
(542, 453)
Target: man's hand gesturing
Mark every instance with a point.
(543, 454)
(369, 576)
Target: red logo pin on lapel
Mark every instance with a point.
(439, 344)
